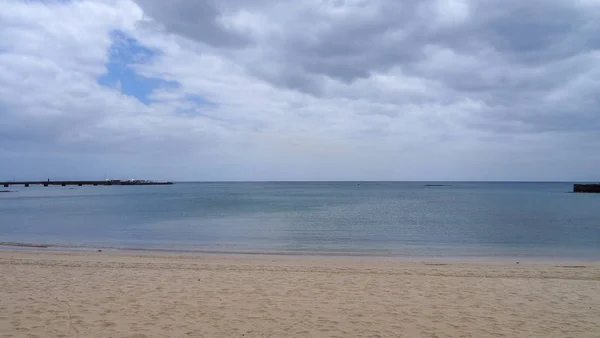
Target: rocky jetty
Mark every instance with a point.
(594, 188)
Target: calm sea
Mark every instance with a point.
(407, 219)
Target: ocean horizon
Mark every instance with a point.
(428, 219)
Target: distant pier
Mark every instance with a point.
(82, 183)
(594, 188)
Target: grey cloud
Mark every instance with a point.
(350, 47)
(509, 55)
(534, 31)
(198, 20)
(310, 44)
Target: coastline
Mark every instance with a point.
(147, 294)
(405, 253)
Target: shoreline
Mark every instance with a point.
(48, 293)
(202, 256)
(532, 257)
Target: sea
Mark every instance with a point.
(442, 220)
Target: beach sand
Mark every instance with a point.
(54, 294)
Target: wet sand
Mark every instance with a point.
(74, 294)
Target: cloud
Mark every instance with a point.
(341, 89)
(200, 20)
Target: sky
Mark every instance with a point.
(230, 90)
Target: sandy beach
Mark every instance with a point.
(61, 294)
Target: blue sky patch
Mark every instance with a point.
(124, 53)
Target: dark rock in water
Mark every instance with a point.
(99, 250)
(6, 191)
(592, 188)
